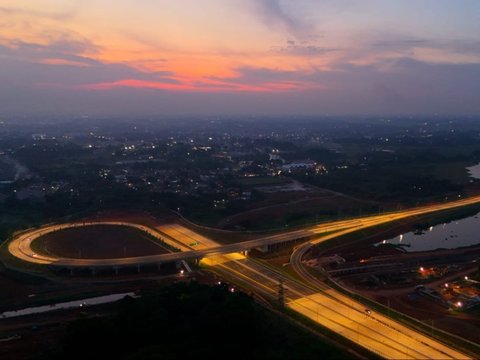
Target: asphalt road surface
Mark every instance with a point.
(182, 239)
(378, 333)
(310, 297)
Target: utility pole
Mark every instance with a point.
(281, 294)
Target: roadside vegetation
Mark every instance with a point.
(190, 321)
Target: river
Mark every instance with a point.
(66, 305)
(452, 235)
(459, 233)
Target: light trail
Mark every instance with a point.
(311, 298)
(347, 317)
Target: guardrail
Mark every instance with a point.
(413, 323)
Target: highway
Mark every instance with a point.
(20, 245)
(190, 244)
(315, 300)
(309, 297)
(376, 332)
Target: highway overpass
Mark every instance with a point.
(20, 246)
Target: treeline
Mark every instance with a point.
(186, 321)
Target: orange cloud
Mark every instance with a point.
(206, 85)
(53, 61)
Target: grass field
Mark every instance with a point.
(98, 242)
(263, 181)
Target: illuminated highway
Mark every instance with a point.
(20, 245)
(190, 244)
(311, 298)
(378, 333)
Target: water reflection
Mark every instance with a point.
(66, 305)
(452, 235)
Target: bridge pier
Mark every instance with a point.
(93, 271)
(263, 249)
(116, 268)
(138, 268)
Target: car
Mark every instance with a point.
(368, 311)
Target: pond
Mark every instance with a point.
(459, 233)
(66, 305)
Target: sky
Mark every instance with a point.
(239, 57)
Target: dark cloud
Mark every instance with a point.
(463, 46)
(403, 85)
(64, 48)
(304, 48)
(409, 86)
(274, 15)
(399, 42)
(256, 76)
(27, 63)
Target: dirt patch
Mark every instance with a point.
(98, 242)
(294, 208)
(394, 285)
(463, 324)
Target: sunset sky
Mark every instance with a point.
(159, 57)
